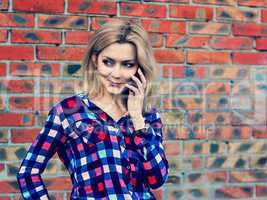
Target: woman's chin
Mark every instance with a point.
(114, 90)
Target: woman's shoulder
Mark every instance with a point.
(70, 104)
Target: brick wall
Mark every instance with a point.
(212, 87)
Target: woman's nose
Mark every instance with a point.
(116, 71)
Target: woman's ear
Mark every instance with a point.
(94, 59)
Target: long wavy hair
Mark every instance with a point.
(121, 31)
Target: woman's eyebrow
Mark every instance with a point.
(129, 60)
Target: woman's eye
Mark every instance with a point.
(107, 62)
(128, 65)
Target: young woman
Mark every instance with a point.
(108, 136)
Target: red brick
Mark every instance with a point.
(209, 28)
(231, 43)
(252, 3)
(77, 37)
(16, 20)
(61, 21)
(226, 133)
(2, 69)
(236, 14)
(181, 132)
(261, 43)
(24, 135)
(217, 176)
(60, 53)
(39, 5)
(95, 7)
(228, 73)
(229, 2)
(58, 183)
(34, 69)
(216, 87)
(248, 176)
(202, 57)
(261, 190)
(174, 71)
(259, 131)
(144, 10)
(169, 55)
(8, 186)
(187, 193)
(2, 103)
(16, 52)
(60, 86)
(4, 5)
(167, 1)
(211, 177)
(250, 58)
(36, 36)
(191, 12)
(235, 192)
(194, 148)
(97, 22)
(172, 148)
(32, 103)
(17, 86)
(249, 29)
(212, 118)
(264, 15)
(218, 103)
(187, 103)
(179, 40)
(155, 39)
(5, 197)
(164, 26)
(3, 35)
(16, 119)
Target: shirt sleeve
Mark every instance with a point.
(42, 149)
(149, 145)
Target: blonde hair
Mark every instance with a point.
(121, 31)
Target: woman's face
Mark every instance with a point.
(115, 65)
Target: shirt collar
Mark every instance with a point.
(98, 111)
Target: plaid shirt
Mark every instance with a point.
(105, 159)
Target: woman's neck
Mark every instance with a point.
(107, 99)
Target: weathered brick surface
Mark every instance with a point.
(9, 52)
(16, 20)
(40, 69)
(212, 87)
(39, 5)
(25, 36)
(3, 35)
(96, 7)
(60, 53)
(4, 5)
(191, 12)
(146, 10)
(63, 22)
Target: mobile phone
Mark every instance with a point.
(125, 92)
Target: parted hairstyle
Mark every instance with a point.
(121, 31)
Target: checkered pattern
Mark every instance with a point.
(106, 159)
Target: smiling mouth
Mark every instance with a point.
(115, 84)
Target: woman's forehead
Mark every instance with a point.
(120, 52)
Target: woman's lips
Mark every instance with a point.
(115, 84)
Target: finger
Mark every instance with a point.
(138, 83)
(134, 89)
(142, 76)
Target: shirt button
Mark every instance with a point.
(128, 167)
